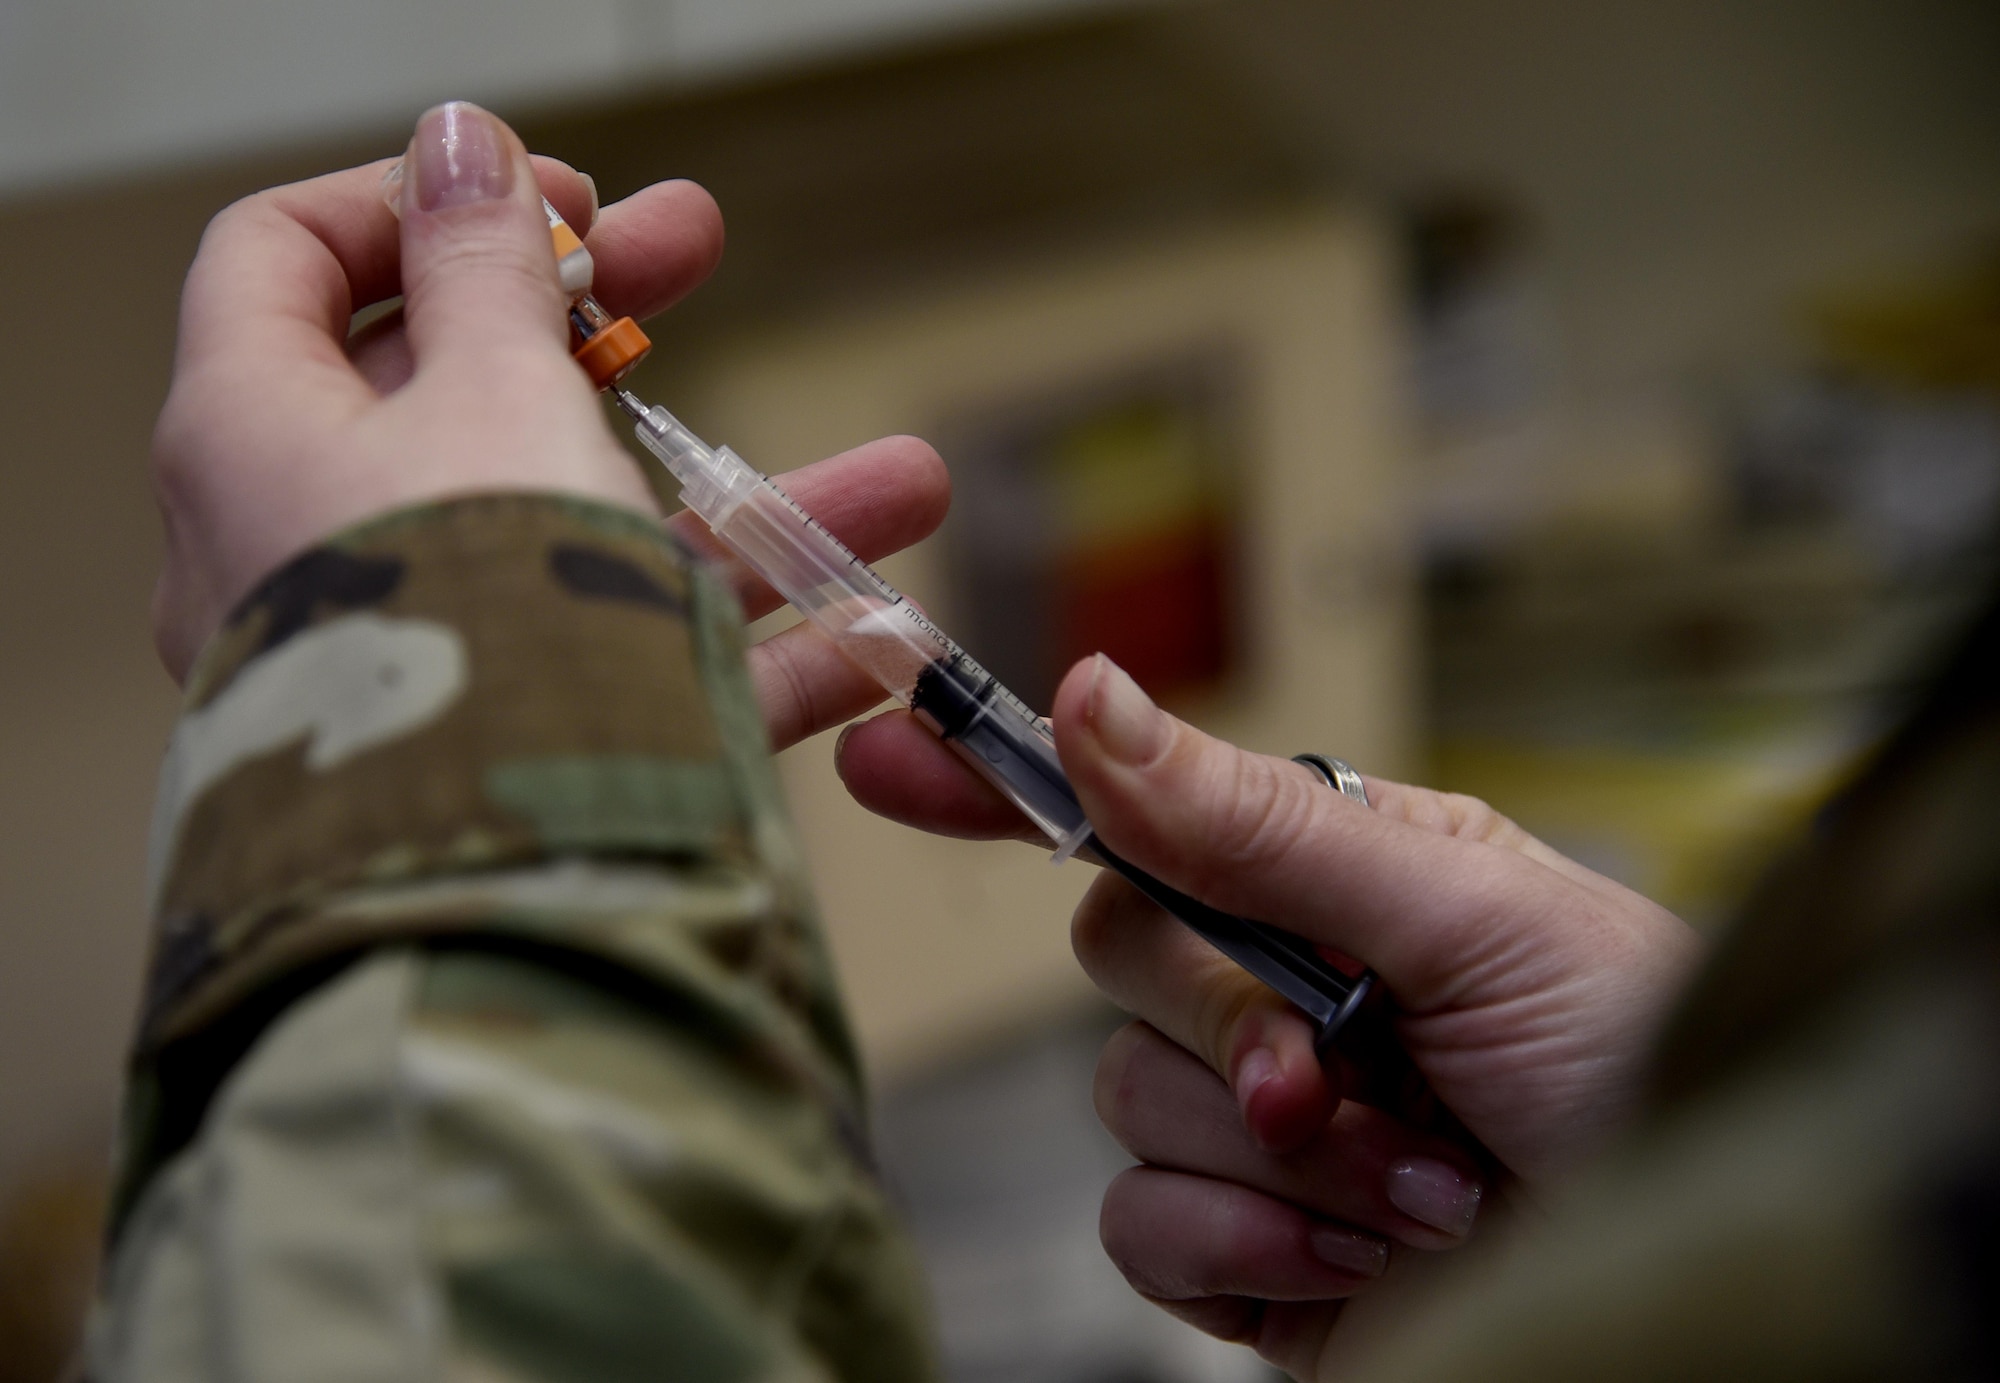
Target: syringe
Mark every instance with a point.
(953, 696)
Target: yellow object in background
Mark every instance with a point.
(1691, 825)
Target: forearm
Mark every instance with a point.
(488, 984)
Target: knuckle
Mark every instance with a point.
(498, 260)
(1262, 816)
(1128, 1227)
(171, 437)
(1220, 1010)
(1238, 1249)
(236, 225)
(245, 213)
(182, 437)
(1114, 1086)
(1180, 1237)
(1097, 927)
(1087, 931)
(1233, 1320)
(242, 224)
(1471, 818)
(804, 711)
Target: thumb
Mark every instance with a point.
(479, 272)
(1266, 839)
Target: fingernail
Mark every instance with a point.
(392, 186)
(459, 155)
(1123, 719)
(590, 185)
(1359, 1254)
(1253, 1073)
(840, 741)
(1438, 1195)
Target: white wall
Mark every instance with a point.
(96, 87)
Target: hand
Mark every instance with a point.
(280, 430)
(1528, 990)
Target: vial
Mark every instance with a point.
(606, 347)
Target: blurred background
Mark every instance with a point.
(1587, 405)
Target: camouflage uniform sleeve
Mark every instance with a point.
(489, 1033)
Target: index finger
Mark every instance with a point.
(877, 499)
(654, 246)
(279, 274)
(273, 284)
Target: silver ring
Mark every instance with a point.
(1339, 775)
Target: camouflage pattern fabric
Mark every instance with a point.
(1815, 1193)
(489, 1033)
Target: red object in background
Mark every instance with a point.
(1156, 605)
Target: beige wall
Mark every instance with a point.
(86, 313)
(88, 287)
